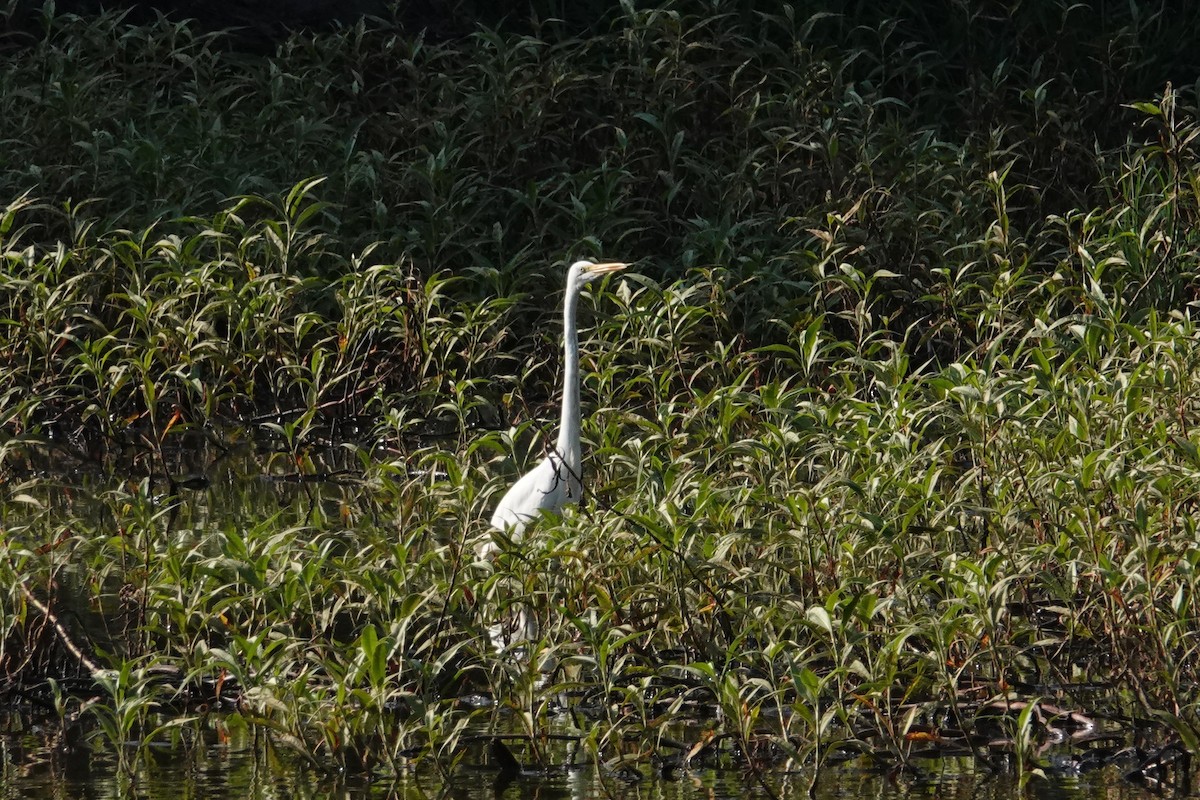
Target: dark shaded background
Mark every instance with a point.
(969, 32)
(1111, 51)
(1114, 48)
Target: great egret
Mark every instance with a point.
(556, 480)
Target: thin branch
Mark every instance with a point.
(91, 666)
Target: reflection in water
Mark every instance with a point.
(36, 763)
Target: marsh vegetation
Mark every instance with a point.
(889, 430)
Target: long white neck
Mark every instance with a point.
(568, 434)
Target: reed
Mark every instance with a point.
(891, 426)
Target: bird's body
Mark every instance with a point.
(549, 486)
(557, 479)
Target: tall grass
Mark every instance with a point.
(890, 439)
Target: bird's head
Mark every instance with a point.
(585, 272)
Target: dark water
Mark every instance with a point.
(34, 764)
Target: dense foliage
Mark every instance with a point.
(892, 418)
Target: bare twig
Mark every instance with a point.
(80, 656)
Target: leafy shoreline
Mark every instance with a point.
(885, 419)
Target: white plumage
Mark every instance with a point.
(556, 480)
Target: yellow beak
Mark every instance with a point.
(606, 267)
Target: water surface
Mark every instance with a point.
(246, 766)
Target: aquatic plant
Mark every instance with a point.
(894, 453)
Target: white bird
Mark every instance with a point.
(556, 480)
